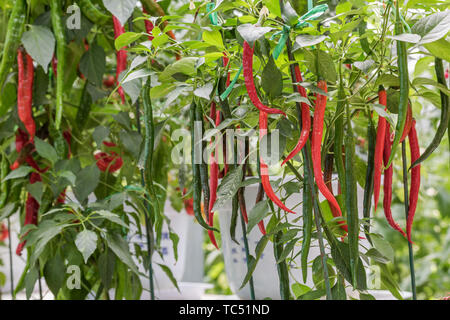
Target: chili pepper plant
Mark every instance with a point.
(111, 108)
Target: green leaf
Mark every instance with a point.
(376, 256)
(204, 91)
(185, 66)
(93, 64)
(122, 9)
(299, 289)
(169, 274)
(175, 239)
(36, 190)
(7, 210)
(287, 250)
(388, 80)
(120, 248)
(253, 261)
(40, 44)
(55, 273)
(433, 27)
(213, 38)
(125, 39)
(251, 33)
(45, 150)
(19, 173)
(106, 264)
(382, 246)
(87, 181)
(440, 49)
(406, 37)
(388, 281)
(273, 6)
(86, 242)
(258, 212)
(272, 79)
(327, 69)
(111, 217)
(131, 140)
(30, 281)
(307, 40)
(228, 187)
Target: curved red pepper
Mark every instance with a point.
(379, 147)
(316, 143)
(415, 179)
(264, 169)
(121, 56)
(247, 63)
(25, 93)
(148, 26)
(408, 125)
(3, 232)
(306, 119)
(387, 184)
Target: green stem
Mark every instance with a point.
(410, 251)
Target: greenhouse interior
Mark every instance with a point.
(224, 150)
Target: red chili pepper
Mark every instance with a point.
(3, 232)
(148, 26)
(111, 162)
(379, 147)
(25, 93)
(109, 81)
(31, 211)
(121, 56)
(387, 187)
(214, 177)
(225, 61)
(247, 62)
(409, 121)
(54, 65)
(415, 179)
(265, 169)
(306, 119)
(188, 203)
(316, 143)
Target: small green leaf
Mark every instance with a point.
(213, 38)
(45, 150)
(86, 242)
(40, 44)
(299, 289)
(36, 190)
(120, 248)
(258, 212)
(251, 33)
(19, 173)
(169, 274)
(432, 27)
(86, 182)
(272, 79)
(228, 187)
(111, 217)
(55, 273)
(93, 64)
(125, 39)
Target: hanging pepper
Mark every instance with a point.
(408, 123)
(25, 93)
(68, 137)
(316, 143)
(264, 169)
(404, 86)
(379, 148)
(92, 13)
(306, 118)
(14, 32)
(121, 56)
(387, 184)
(247, 62)
(148, 26)
(110, 162)
(415, 179)
(58, 30)
(214, 177)
(4, 232)
(445, 115)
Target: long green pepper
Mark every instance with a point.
(93, 14)
(351, 200)
(307, 225)
(404, 87)
(368, 190)
(196, 179)
(14, 32)
(339, 136)
(58, 30)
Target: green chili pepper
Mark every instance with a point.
(59, 142)
(14, 32)
(364, 42)
(282, 267)
(4, 187)
(339, 136)
(203, 165)
(148, 159)
(445, 115)
(369, 185)
(93, 13)
(404, 87)
(307, 225)
(58, 30)
(351, 199)
(84, 108)
(196, 180)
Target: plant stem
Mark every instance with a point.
(247, 254)
(11, 273)
(148, 223)
(405, 190)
